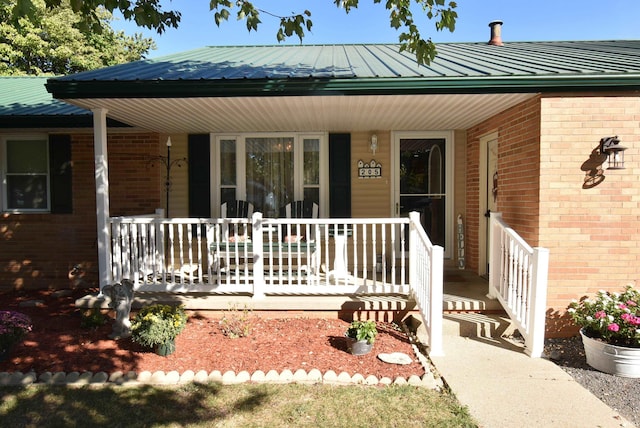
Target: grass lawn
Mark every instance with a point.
(217, 405)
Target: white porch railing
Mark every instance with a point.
(265, 256)
(518, 279)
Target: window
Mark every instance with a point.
(25, 184)
(36, 174)
(269, 171)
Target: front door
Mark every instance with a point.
(422, 182)
(489, 195)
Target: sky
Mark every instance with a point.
(523, 20)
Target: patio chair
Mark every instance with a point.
(236, 209)
(298, 209)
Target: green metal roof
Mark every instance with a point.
(364, 69)
(25, 103)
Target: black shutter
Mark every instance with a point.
(199, 183)
(340, 175)
(60, 171)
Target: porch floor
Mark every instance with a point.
(463, 291)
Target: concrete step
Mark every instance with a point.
(472, 324)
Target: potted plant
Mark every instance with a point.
(610, 330)
(13, 327)
(157, 326)
(361, 335)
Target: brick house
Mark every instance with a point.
(513, 128)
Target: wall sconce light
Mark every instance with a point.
(611, 147)
(374, 143)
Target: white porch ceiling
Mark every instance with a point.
(310, 113)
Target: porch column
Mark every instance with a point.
(102, 195)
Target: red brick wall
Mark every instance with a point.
(591, 227)
(38, 250)
(547, 157)
(518, 131)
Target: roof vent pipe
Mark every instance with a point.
(496, 33)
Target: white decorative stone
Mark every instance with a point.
(201, 377)
(286, 376)
(371, 380)
(344, 377)
(157, 377)
(258, 376)
(116, 377)
(72, 377)
(172, 377)
(272, 376)
(100, 377)
(396, 358)
(187, 376)
(243, 376)
(45, 377)
(386, 381)
(58, 377)
(414, 380)
(400, 381)
(84, 378)
(215, 376)
(357, 379)
(29, 378)
(16, 378)
(314, 376)
(300, 376)
(144, 377)
(330, 377)
(229, 377)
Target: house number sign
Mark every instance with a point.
(369, 170)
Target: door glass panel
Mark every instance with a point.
(422, 183)
(270, 175)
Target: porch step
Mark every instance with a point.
(472, 324)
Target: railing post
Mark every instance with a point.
(414, 218)
(538, 306)
(258, 256)
(435, 301)
(494, 255)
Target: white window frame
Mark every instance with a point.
(4, 203)
(298, 154)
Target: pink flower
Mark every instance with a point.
(613, 327)
(631, 303)
(600, 314)
(622, 306)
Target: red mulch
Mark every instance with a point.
(58, 343)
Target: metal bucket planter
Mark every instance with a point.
(166, 348)
(612, 359)
(359, 347)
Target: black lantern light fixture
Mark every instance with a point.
(611, 147)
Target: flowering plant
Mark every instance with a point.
(612, 317)
(13, 327)
(158, 324)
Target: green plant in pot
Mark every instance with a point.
(157, 326)
(610, 330)
(362, 335)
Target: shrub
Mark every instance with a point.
(158, 324)
(612, 317)
(236, 323)
(13, 327)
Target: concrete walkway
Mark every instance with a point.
(502, 387)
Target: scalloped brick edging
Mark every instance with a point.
(314, 376)
(228, 378)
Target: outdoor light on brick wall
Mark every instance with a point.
(611, 147)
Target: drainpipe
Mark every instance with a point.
(496, 33)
